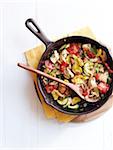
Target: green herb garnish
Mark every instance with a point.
(94, 49)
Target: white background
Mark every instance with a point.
(22, 121)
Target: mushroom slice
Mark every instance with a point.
(92, 82)
(93, 95)
(55, 57)
(63, 55)
(88, 68)
(103, 77)
(86, 46)
(70, 73)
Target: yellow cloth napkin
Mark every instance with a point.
(33, 56)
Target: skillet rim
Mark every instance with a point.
(106, 98)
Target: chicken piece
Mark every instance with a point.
(93, 95)
(70, 73)
(63, 55)
(103, 77)
(92, 82)
(67, 92)
(61, 88)
(88, 68)
(86, 46)
(55, 57)
(66, 74)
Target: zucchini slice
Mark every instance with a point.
(63, 102)
(73, 107)
(75, 100)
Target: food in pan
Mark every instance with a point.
(81, 64)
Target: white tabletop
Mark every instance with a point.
(22, 121)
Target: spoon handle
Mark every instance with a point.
(40, 72)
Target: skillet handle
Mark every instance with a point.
(33, 27)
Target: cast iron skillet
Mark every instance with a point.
(50, 47)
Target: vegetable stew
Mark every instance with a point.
(81, 64)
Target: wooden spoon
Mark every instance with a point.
(70, 85)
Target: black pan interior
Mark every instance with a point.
(49, 99)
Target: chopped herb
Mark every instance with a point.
(94, 49)
(63, 47)
(108, 80)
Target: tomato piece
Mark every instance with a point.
(50, 88)
(63, 65)
(90, 54)
(97, 76)
(103, 87)
(85, 93)
(73, 49)
(49, 64)
(77, 54)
